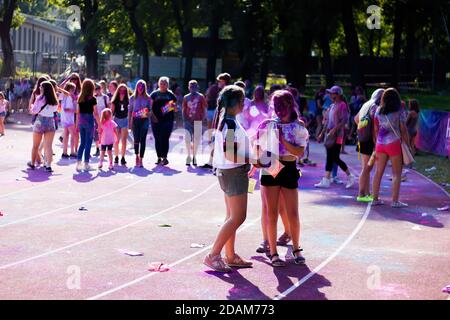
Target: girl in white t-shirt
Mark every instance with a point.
(4, 105)
(231, 161)
(68, 120)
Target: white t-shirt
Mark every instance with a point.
(67, 109)
(101, 103)
(238, 136)
(48, 111)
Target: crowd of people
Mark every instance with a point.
(252, 132)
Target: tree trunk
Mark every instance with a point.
(326, 57)
(398, 30)
(352, 43)
(91, 43)
(90, 52)
(212, 50)
(9, 67)
(410, 52)
(139, 33)
(188, 54)
(298, 61)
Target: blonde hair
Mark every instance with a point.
(106, 115)
(164, 79)
(136, 94)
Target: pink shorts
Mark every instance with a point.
(392, 149)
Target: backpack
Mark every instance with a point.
(365, 128)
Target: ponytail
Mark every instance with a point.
(229, 97)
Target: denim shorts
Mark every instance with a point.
(2, 114)
(211, 114)
(44, 124)
(234, 182)
(121, 123)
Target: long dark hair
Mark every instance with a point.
(37, 87)
(49, 93)
(115, 99)
(87, 90)
(390, 101)
(229, 97)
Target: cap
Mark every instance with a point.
(336, 89)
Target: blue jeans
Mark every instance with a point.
(86, 137)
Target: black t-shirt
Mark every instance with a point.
(121, 108)
(87, 107)
(160, 101)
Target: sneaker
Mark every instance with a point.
(350, 182)
(216, 263)
(399, 205)
(123, 162)
(158, 162)
(31, 166)
(165, 162)
(365, 199)
(97, 152)
(284, 239)
(48, 169)
(324, 183)
(73, 156)
(263, 247)
(65, 156)
(238, 262)
(79, 167)
(87, 167)
(207, 166)
(111, 167)
(188, 160)
(336, 180)
(194, 162)
(116, 160)
(377, 203)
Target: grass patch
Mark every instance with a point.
(442, 173)
(433, 102)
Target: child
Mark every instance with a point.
(68, 120)
(194, 110)
(232, 163)
(4, 106)
(108, 136)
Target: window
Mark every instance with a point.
(38, 44)
(19, 39)
(30, 45)
(34, 41)
(24, 39)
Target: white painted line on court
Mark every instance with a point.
(108, 232)
(135, 281)
(69, 206)
(44, 184)
(328, 260)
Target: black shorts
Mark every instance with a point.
(286, 178)
(366, 148)
(108, 147)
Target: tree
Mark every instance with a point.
(352, 42)
(131, 7)
(7, 13)
(183, 11)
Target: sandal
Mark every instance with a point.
(298, 259)
(276, 261)
(238, 262)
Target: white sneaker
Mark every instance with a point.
(324, 183)
(336, 180)
(79, 167)
(350, 182)
(87, 167)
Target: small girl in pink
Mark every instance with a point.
(108, 136)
